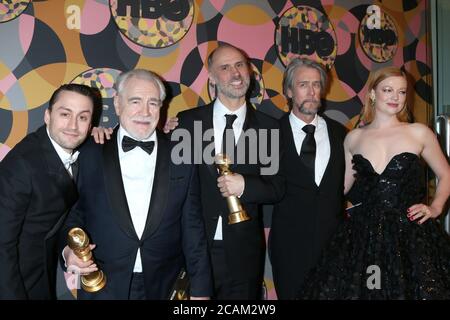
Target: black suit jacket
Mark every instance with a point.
(243, 242)
(174, 234)
(35, 192)
(308, 215)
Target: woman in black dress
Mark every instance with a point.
(391, 246)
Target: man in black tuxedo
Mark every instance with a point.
(36, 190)
(140, 209)
(313, 166)
(237, 250)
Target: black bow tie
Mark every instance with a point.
(129, 144)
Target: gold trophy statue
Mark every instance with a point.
(180, 290)
(237, 213)
(78, 241)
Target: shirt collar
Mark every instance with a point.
(220, 110)
(299, 123)
(66, 157)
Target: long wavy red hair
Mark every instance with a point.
(368, 111)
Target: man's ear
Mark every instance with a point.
(289, 93)
(47, 117)
(116, 105)
(212, 81)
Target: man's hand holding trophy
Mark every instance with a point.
(230, 188)
(79, 260)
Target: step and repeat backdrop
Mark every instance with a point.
(45, 43)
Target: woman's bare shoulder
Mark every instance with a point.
(353, 136)
(419, 129)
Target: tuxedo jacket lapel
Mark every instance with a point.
(114, 186)
(56, 169)
(59, 174)
(160, 190)
(207, 123)
(333, 145)
(250, 119)
(249, 123)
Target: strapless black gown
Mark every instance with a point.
(413, 259)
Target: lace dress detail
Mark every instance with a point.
(413, 259)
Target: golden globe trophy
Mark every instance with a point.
(180, 289)
(237, 213)
(78, 241)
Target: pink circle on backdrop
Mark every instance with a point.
(327, 2)
(200, 82)
(7, 82)
(415, 23)
(343, 37)
(184, 47)
(244, 36)
(94, 17)
(26, 31)
(421, 52)
(351, 22)
(217, 4)
(4, 149)
(202, 78)
(133, 46)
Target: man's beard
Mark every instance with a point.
(309, 111)
(229, 91)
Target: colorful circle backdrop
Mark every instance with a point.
(45, 43)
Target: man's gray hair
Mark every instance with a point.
(140, 74)
(288, 76)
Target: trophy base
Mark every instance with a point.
(93, 282)
(237, 217)
(182, 295)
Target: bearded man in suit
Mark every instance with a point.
(313, 165)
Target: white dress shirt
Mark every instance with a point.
(66, 157)
(322, 142)
(138, 171)
(219, 123)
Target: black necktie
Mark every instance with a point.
(228, 128)
(129, 144)
(74, 167)
(308, 150)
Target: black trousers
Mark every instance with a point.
(225, 286)
(137, 288)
